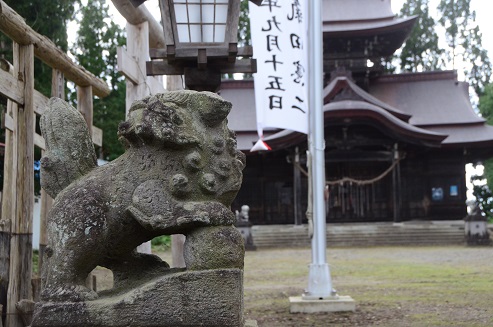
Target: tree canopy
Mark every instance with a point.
(465, 41)
(49, 18)
(421, 51)
(486, 109)
(462, 35)
(95, 48)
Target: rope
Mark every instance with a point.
(352, 180)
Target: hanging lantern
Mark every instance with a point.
(201, 42)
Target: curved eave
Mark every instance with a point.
(365, 39)
(338, 83)
(371, 27)
(466, 136)
(357, 111)
(474, 140)
(285, 139)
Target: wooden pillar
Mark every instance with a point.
(132, 64)
(175, 83)
(8, 196)
(85, 104)
(395, 186)
(21, 227)
(138, 49)
(57, 90)
(399, 188)
(298, 215)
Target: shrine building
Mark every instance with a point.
(396, 144)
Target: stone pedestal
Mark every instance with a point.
(476, 230)
(212, 298)
(338, 303)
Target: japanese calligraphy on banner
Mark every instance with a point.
(279, 31)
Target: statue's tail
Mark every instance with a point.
(69, 150)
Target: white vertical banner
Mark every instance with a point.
(279, 31)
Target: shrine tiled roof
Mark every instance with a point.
(427, 106)
(432, 98)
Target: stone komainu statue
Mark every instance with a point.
(179, 174)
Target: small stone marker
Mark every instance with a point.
(245, 227)
(476, 228)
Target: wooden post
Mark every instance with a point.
(174, 83)
(15, 27)
(395, 187)
(85, 105)
(138, 48)
(132, 64)
(297, 189)
(21, 228)
(8, 196)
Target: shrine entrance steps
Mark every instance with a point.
(364, 234)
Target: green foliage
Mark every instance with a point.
(486, 104)
(95, 49)
(48, 18)
(421, 51)
(35, 267)
(464, 40)
(161, 243)
(482, 193)
(244, 36)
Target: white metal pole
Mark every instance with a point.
(319, 281)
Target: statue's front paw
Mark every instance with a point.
(154, 223)
(200, 217)
(68, 293)
(208, 213)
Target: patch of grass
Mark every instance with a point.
(161, 243)
(403, 286)
(35, 268)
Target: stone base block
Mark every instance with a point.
(336, 304)
(212, 298)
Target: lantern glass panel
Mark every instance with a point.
(181, 13)
(183, 33)
(208, 33)
(194, 13)
(208, 14)
(201, 20)
(221, 13)
(220, 33)
(195, 33)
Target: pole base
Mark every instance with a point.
(319, 281)
(338, 303)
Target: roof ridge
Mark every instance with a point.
(419, 76)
